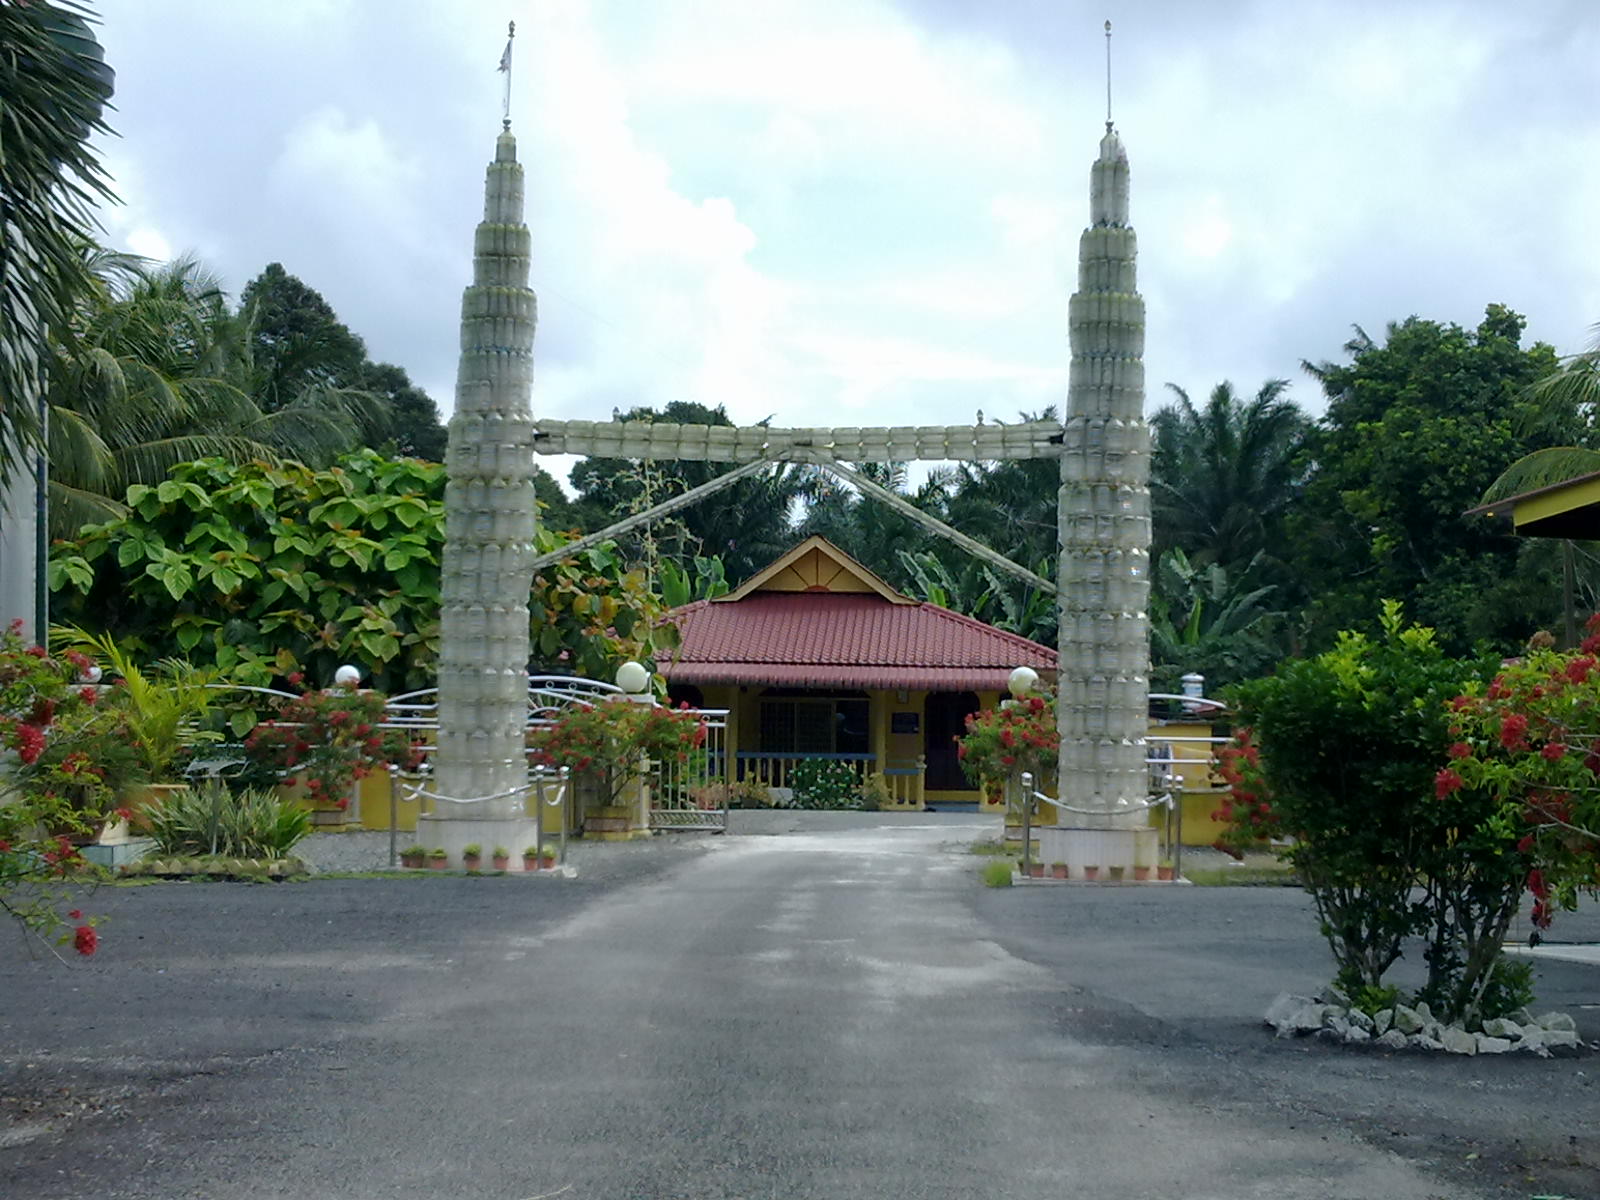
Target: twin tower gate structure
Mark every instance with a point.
(1103, 517)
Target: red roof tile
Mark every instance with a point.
(817, 639)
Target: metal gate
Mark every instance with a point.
(694, 795)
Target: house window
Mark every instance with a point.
(794, 722)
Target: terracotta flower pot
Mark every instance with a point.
(502, 862)
(530, 862)
(411, 860)
(1141, 874)
(439, 864)
(1164, 874)
(1091, 873)
(548, 862)
(1035, 870)
(1058, 870)
(472, 862)
(1116, 874)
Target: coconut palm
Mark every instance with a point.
(53, 84)
(149, 372)
(1222, 476)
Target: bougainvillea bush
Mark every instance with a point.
(611, 741)
(1530, 740)
(38, 818)
(329, 739)
(1341, 754)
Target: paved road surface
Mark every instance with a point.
(834, 1015)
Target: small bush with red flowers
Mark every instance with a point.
(1002, 743)
(1531, 740)
(329, 739)
(1342, 755)
(41, 791)
(611, 741)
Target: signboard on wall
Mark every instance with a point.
(903, 722)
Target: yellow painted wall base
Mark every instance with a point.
(1199, 829)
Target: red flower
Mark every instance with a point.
(88, 694)
(76, 914)
(1460, 750)
(1512, 728)
(1578, 669)
(1553, 751)
(1446, 782)
(85, 940)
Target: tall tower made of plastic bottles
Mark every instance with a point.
(1104, 507)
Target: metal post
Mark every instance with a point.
(394, 815)
(1027, 814)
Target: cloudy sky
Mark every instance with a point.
(866, 211)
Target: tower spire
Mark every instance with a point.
(505, 68)
(1108, 76)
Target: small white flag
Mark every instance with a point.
(505, 57)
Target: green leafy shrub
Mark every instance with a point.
(1344, 752)
(997, 874)
(211, 821)
(825, 783)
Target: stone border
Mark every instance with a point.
(1331, 1018)
(216, 867)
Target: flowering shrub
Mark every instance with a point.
(825, 783)
(1531, 740)
(37, 820)
(330, 739)
(1005, 741)
(1246, 808)
(610, 741)
(1344, 752)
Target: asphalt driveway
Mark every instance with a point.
(827, 1013)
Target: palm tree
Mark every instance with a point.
(1222, 477)
(149, 372)
(1202, 619)
(54, 84)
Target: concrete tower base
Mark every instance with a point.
(1103, 848)
(451, 834)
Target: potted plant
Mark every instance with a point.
(1035, 869)
(438, 859)
(1091, 873)
(413, 856)
(471, 856)
(1164, 870)
(1116, 873)
(1058, 870)
(608, 746)
(530, 859)
(548, 859)
(501, 859)
(1141, 872)
(164, 711)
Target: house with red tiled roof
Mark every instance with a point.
(817, 657)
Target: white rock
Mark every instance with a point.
(1560, 1038)
(1533, 1042)
(1334, 994)
(1355, 1033)
(1383, 1020)
(1332, 1011)
(1290, 1014)
(1499, 1027)
(1558, 1020)
(1339, 1027)
(1492, 1045)
(1522, 1017)
(1391, 1040)
(1407, 1020)
(1360, 1020)
(1457, 1040)
(1425, 1012)
(1423, 1042)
